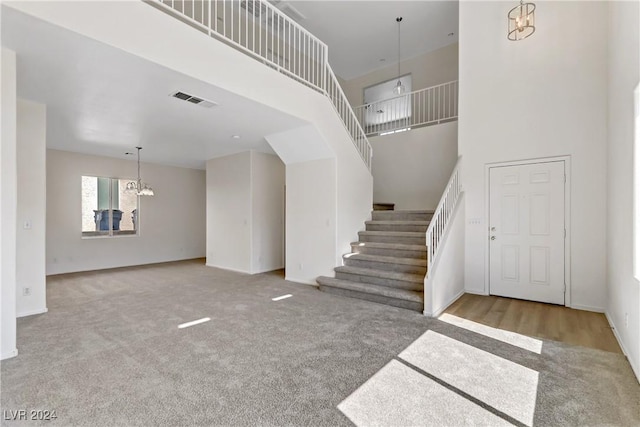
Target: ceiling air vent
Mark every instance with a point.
(254, 9)
(292, 12)
(194, 99)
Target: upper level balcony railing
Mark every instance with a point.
(422, 107)
(259, 29)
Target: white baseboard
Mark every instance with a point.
(439, 311)
(634, 367)
(475, 292)
(301, 281)
(32, 312)
(9, 355)
(268, 269)
(228, 269)
(588, 308)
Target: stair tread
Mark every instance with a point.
(392, 222)
(394, 233)
(366, 288)
(388, 259)
(427, 211)
(399, 246)
(394, 275)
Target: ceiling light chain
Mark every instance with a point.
(399, 88)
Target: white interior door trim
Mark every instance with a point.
(567, 216)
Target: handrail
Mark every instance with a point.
(344, 110)
(440, 220)
(421, 107)
(261, 30)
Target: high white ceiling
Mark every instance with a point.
(361, 33)
(103, 101)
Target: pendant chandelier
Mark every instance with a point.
(139, 187)
(521, 21)
(399, 87)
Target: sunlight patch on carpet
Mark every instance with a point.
(195, 322)
(513, 338)
(504, 385)
(398, 395)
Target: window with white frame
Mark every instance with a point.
(107, 208)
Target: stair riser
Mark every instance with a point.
(389, 252)
(397, 227)
(394, 239)
(400, 216)
(389, 283)
(383, 207)
(385, 266)
(410, 305)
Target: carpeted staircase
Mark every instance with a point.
(388, 264)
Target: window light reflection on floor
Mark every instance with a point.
(513, 338)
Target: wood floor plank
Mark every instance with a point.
(539, 320)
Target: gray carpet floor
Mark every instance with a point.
(109, 353)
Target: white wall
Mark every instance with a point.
(541, 97)
(429, 69)
(197, 55)
(267, 210)
(172, 223)
(624, 77)
(411, 169)
(245, 212)
(311, 208)
(32, 187)
(8, 204)
(229, 212)
(445, 282)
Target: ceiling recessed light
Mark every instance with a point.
(235, 136)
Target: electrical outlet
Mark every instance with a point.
(26, 291)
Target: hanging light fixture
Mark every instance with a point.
(399, 87)
(521, 21)
(139, 187)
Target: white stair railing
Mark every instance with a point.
(264, 32)
(422, 107)
(440, 220)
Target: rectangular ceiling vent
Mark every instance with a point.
(292, 12)
(257, 10)
(194, 99)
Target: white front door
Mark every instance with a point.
(527, 231)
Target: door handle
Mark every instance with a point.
(493, 237)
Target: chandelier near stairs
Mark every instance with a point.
(399, 87)
(521, 21)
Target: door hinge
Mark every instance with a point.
(565, 233)
(565, 177)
